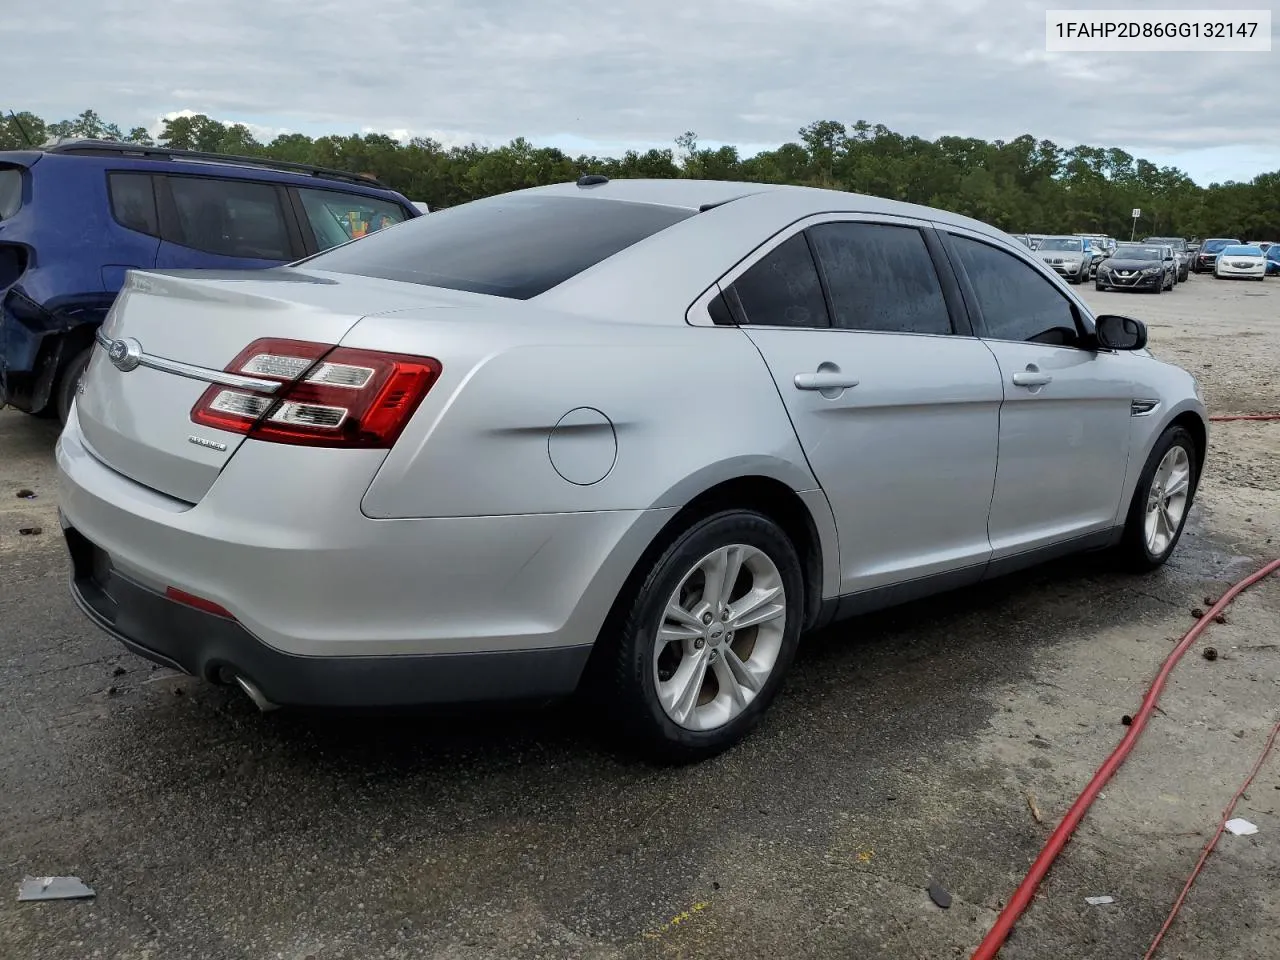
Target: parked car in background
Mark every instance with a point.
(1022, 238)
(308, 481)
(1097, 253)
(75, 215)
(421, 206)
(1070, 257)
(1036, 239)
(1208, 253)
(1264, 244)
(1240, 261)
(1273, 260)
(1138, 266)
(1180, 251)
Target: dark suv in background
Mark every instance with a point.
(75, 215)
(1180, 251)
(1207, 256)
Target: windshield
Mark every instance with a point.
(515, 246)
(10, 192)
(1241, 250)
(1213, 246)
(1125, 252)
(1062, 243)
(1174, 242)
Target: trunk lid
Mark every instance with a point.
(138, 421)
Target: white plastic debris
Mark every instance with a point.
(53, 888)
(1242, 827)
(1099, 901)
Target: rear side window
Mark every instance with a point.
(509, 246)
(133, 202)
(232, 218)
(782, 289)
(881, 278)
(10, 192)
(338, 217)
(1017, 303)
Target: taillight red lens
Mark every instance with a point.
(330, 396)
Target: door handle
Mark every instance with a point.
(825, 380)
(1031, 377)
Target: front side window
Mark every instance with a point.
(881, 278)
(338, 217)
(515, 246)
(782, 289)
(232, 218)
(1016, 301)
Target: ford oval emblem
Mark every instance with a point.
(125, 355)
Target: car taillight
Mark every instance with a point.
(329, 396)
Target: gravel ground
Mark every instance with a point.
(910, 747)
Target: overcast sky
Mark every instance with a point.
(606, 75)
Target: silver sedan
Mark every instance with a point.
(634, 437)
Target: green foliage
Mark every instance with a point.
(1021, 185)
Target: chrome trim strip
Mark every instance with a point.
(193, 372)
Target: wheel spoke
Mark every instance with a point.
(682, 616)
(1177, 482)
(686, 685)
(721, 571)
(740, 672)
(756, 608)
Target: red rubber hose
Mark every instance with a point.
(1213, 842)
(1021, 898)
(1245, 416)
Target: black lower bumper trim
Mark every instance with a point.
(205, 645)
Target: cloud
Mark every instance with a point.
(631, 72)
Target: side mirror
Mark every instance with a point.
(1120, 333)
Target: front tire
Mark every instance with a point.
(1099, 285)
(707, 637)
(1158, 512)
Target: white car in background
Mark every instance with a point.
(1241, 260)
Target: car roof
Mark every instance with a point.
(802, 201)
(132, 156)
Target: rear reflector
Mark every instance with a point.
(197, 603)
(330, 396)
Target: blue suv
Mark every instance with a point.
(76, 215)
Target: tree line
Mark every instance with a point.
(1021, 185)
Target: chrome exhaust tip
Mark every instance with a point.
(254, 694)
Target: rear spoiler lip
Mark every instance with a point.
(23, 159)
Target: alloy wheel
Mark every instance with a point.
(719, 637)
(1167, 500)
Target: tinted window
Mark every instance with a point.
(782, 289)
(1017, 303)
(338, 217)
(880, 278)
(507, 246)
(133, 202)
(233, 218)
(10, 192)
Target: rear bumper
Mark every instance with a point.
(217, 648)
(331, 607)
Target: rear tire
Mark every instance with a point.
(1098, 285)
(65, 389)
(1161, 502)
(678, 699)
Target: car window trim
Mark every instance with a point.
(155, 201)
(1084, 319)
(698, 314)
(171, 227)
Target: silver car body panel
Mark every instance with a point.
(567, 430)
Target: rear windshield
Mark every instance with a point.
(509, 246)
(10, 192)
